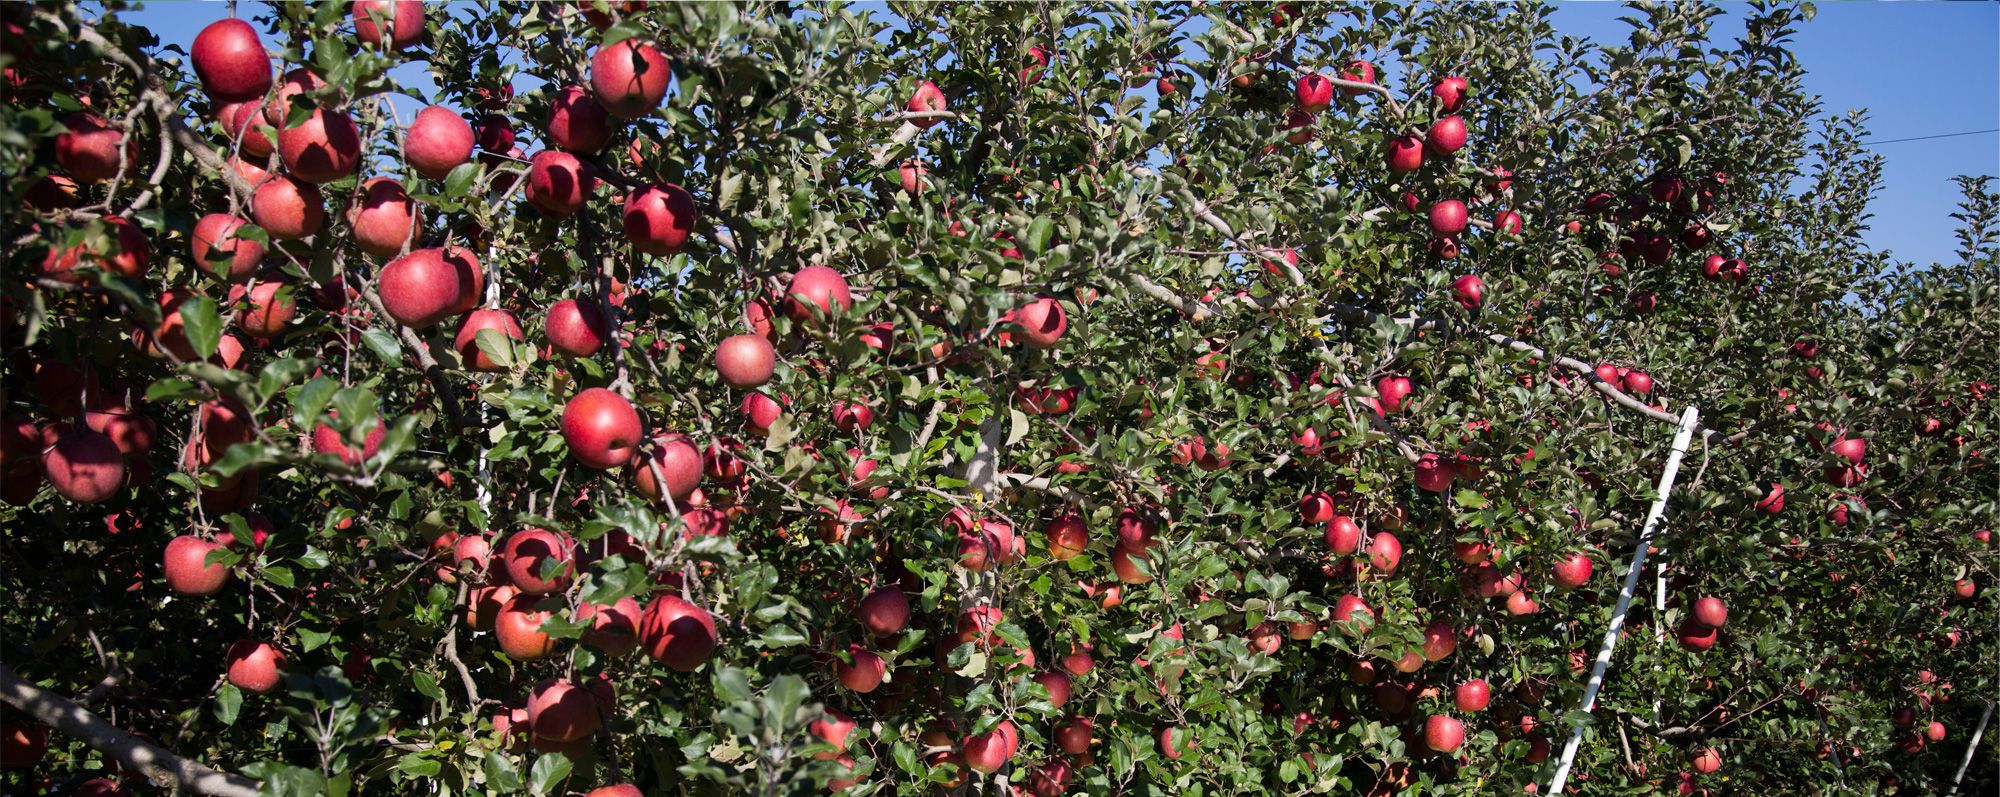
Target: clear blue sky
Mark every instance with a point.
(1919, 68)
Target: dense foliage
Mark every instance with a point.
(1229, 414)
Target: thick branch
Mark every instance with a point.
(64, 715)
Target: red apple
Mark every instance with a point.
(323, 148)
(517, 627)
(427, 286)
(816, 288)
(1446, 135)
(658, 218)
(560, 711)
(89, 149)
(1472, 695)
(927, 97)
(1068, 536)
(1406, 154)
(629, 78)
(676, 633)
(1450, 94)
(602, 429)
(1385, 552)
(577, 122)
(885, 611)
(671, 459)
(576, 327)
(403, 19)
(288, 209)
(1041, 322)
(1174, 742)
(1773, 501)
(833, 728)
(230, 61)
(1448, 218)
(1358, 71)
(1073, 736)
(1572, 571)
(1343, 537)
(255, 666)
(1443, 734)
(1353, 615)
(267, 307)
(1314, 92)
(1706, 760)
(864, 673)
(1469, 290)
(467, 340)
(84, 466)
(215, 245)
(187, 568)
(438, 141)
(1440, 640)
(1711, 612)
(383, 218)
(745, 361)
(558, 183)
(1696, 637)
(129, 256)
(528, 554)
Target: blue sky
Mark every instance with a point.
(1919, 68)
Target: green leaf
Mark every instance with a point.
(228, 702)
(384, 344)
(501, 774)
(549, 771)
(203, 323)
(459, 181)
(496, 346)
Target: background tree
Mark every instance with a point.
(1157, 398)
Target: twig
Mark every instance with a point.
(79, 723)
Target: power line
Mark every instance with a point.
(1927, 138)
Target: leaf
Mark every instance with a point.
(496, 346)
(550, 770)
(203, 323)
(1019, 427)
(501, 775)
(228, 701)
(426, 684)
(1039, 231)
(459, 181)
(384, 344)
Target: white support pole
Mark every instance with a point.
(1681, 437)
(1970, 749)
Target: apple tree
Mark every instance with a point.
(1171, 398)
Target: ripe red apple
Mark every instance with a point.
(671, 459)
(403, 19)
(1572, 571)
(760, 412)
(864, 673)
(230, 61)
(1068, 536)
(619, 790)
(529, 553)
(576, 327)
(676, 633)
(427, 286)
(1435, 474)
(288, 209)
(602, 429)
(1448, 218)
(384, 218)
(1446, 135)
(1041, 322)
(187, 568)
(1385, 552)
(560, 711)
(658, 218)
(84, 466)
(1934, 731)
(1073, 736)
(1521, 603)
(885, 611)
(913, 176)
(816, 288)
(467, 340)
(517, 627)
(1472, 695)
(1638, 383)
(927, 97)
(1406, 154)
(1391, 391)
(1300, 123)
(214, 245)
(1450, 94)
(1314, 92)
(267, 307)
(255, 666)
(1507, 222)
(629, 78)
(1266, 638)
(1174, 742)
(323, 148)
(1316, 507)
(1773, 501)
(1443, 734)
(745, 361)
(577, 122)
(1353, 615)
(558, 183)
(1469, 290)
(1853, 448)
(129, 256)
(1358, 71)
(1696, 637)
(850, 416)
(1343, 537)
(1707, 760)
(438, 140)
(1126, 563)
(328, 440)
(1711, 612)
(89, 148)
(1440, 640)
(833, 728)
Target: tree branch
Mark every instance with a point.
(160, 765)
